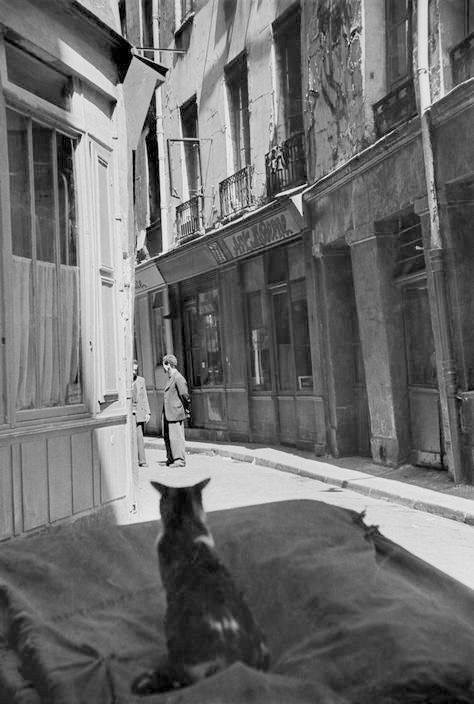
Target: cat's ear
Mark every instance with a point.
(202, 484)
(160, 487)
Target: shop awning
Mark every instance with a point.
(140, 81)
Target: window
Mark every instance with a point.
(259, 342)
(410, 256)
(285, 273)
(238, 100)
(287, 34)
(468, 17)
(398, 41)
(189, 127)
(202, 339)
(46, 308)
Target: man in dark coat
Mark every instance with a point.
(140, 411)
(176, 408)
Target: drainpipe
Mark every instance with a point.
(160, 138)
(436, 263)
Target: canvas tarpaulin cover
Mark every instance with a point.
(350, 617)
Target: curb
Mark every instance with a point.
(409, 495)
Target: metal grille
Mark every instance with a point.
(285, 165)
(411, 258)
(395, 108)
(189, 218)
(462, 60)
(235, 192)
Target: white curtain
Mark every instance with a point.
(56, 347)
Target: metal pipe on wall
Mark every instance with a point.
(160, 137)
(435, 261)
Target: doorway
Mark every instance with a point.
(423, 394)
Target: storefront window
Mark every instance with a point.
(202, 339)
(281, 314)
(299, 314)
(46, 276)
(259, 342)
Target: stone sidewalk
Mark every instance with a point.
(418, 488)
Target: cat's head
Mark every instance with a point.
(179, 504)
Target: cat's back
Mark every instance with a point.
(207, 616)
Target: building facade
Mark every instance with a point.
(66, 261)
(315, 180)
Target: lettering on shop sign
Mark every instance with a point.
(255, 237)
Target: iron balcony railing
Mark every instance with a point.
(396, 107)
(235, 192)
(285, 165)
(189, 219)
(462, 60)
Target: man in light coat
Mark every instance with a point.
(140, 411)
(176, 408)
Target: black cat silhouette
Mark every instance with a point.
(208, 625)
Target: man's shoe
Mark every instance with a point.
(142, 464)
(178, 463)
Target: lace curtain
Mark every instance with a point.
(46, 334)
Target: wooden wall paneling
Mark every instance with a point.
(82, 473)
(305, 413)
(34, 477)
(262, 419)
(111, 442)
(17, 489)
(60, 475)
(288, 421)
(6, 493)
(96, 469)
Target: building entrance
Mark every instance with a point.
(423, 395)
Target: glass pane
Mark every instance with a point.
(259, 343)
(419, 341)
(66, 201)
(44, 193)
(277, 265)
(281, 315)
(20, 206)
(104, 212)
(299, 313)
(296, 261)
(192, 340)
(24, 348)
(212, 371)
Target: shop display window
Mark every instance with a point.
(202, 339)
(46, 307)
(259, 342)
(277, 316)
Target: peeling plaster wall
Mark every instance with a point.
(333, 83)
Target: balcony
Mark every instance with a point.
(235, 192)
(285, 165)
(189, 219)
(462, 60)
(395, 108)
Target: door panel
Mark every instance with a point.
(422, 380)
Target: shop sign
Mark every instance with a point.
(262, 234)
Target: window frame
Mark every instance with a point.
(192, 300)
(283, 41)
(237, 91)
(13, 416)
(394, 82)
